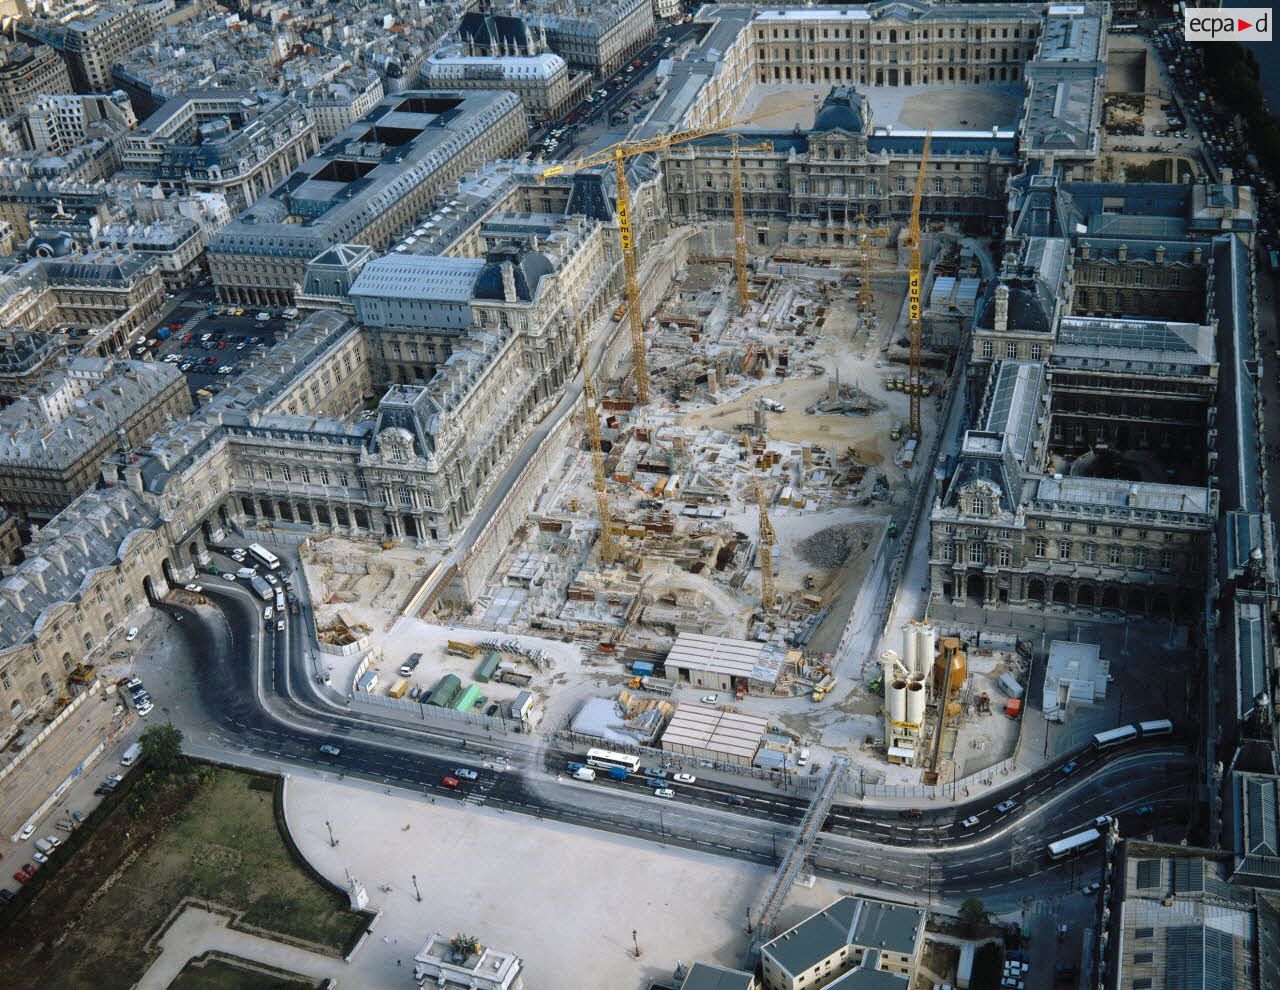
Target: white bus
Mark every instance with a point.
(604, 758)
(1159, 727)
(1115, 737)
(1073, 844)
(264, 556)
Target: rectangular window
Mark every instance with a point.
(1114, 555)
(1035, 352)
(1144, 933)
(1041, 548)
(1006, 557)
(1064, 549)
(1166, 560)
(1090, 553)
(1140, 557)
(948, 552)
(988, 349)
(1011, 350)
(1141, 958)
(977, 553)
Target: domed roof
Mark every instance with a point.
(527, 269)
(844, 109)
(56, 245)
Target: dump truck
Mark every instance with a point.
(515, 677)
(657, 685)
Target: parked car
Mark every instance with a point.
(492, 710)
(228, 577)
(1145, 810)
(279, 625)
(6, 894)
(132, 634)
(77, 817)
(1090, 889)
(684, 778)
(655, 772)
(27, 831)
(21, 877)
(410, 665)
(39, 857)
(664, 792)
(710, 699)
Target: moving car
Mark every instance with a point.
(710, 699)
(1006, 806)
(910, 814)
(969, 822)
(410, 665)
(735, 800)
(1069, 768)
(664, 792)
(450, 782)
(1090, 889)
(26, 832)
(328, 749)
(684, 778)
(466, 774)
(131, 635)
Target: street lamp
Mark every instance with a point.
(416, 893)
(332, 841)
(635, 942)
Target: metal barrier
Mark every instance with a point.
(433, 713)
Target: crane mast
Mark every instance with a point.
(913, 289)
(767, 539)
(628, 243)
(739, 232)
(608, 546)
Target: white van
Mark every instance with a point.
(130, 756)
(804, 756)
(584, 773)
(246, 573)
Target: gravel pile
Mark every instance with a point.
(830, 548)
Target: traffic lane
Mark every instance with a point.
(227, 688)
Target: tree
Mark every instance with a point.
(973, 912)
(162, 746)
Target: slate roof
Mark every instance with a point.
(849, 921)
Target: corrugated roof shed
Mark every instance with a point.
(714, 730)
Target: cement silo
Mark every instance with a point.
(951, 662)
(926, 648)
(897, 698)
(915, 702)
(910, 644)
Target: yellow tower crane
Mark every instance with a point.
(767, 539)
(608, 546)
(913, 288)
(865, 232)
(740, 225)
(618, 155)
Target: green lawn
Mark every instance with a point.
(221, 844)
(224, 974)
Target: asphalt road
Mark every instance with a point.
(253, 683)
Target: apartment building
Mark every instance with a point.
(544, 83)
(854, 943)
(366, 186)
(53, 438)
(26, 71)
(92, 42)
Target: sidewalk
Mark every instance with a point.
(197, 931)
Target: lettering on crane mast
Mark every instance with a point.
(913, 292)
(624, 227)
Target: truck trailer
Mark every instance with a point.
(261, 588)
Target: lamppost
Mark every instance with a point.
(416, 893)
(749, 928)
(332, 841)
(635, 941)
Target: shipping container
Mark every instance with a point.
(400, 688)
(468, 699)
(487, 666)
(446, 692)
(1013, 707)
(642, 668)
(522, 706)
(368, 681)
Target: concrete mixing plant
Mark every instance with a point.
(905, 691)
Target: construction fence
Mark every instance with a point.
(432, 713)
(856, 784)
(667, 761)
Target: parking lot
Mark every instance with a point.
(209, 342)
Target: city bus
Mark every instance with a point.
(1159, 727)
(605, 759)
(1073, 844)
(264, 556)
(1115, 737)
